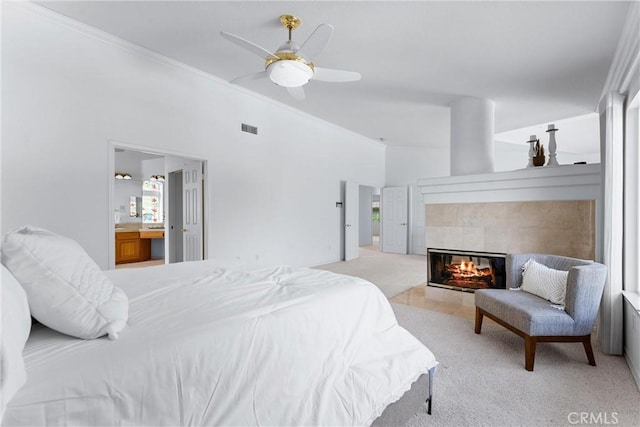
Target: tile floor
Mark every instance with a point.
(438, 299)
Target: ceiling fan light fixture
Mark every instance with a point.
(292, 65)
(289, 73)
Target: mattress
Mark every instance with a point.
(211, 343)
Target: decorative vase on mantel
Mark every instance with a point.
(538, 154)
(539, 160)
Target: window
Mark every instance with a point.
(152, 212)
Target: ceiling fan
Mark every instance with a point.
(291, 65)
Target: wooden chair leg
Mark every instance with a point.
(589, 350)
(529, 352)
(479, 317)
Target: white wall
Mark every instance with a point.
(123, 190)
(69, 90)
(405, 165)
(152, 167)
(129, 162)
(417, 222)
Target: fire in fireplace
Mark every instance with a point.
(465, 270)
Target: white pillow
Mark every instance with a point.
(544, 282)
(15, 325)
(66, 289)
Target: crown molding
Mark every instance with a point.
(627, 56)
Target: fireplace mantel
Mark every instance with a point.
(566, 182)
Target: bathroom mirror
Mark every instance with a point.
(127, 201)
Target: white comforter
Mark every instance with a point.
(206, 345)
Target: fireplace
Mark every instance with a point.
(465, 270)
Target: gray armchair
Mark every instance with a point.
(534, 318)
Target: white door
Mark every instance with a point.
(393, 217)
(175, 211)
(351, 228)
(192, 229)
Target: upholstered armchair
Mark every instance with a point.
(538, 320)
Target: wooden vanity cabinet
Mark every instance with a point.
(152, 234)
(131, 248)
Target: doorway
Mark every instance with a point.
(149, 228)
(361, 219)
(369, 212)
(381, 215)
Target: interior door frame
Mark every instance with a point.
(111, 154)
(343, 198)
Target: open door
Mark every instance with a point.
(394, 218)
(175, 223)
(351, 228)
(192, 227)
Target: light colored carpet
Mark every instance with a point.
(481, 380)
(392, 273)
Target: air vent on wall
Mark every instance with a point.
(249, 129)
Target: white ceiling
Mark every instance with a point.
(541, 62)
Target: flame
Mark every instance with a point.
(466, 273)
(469, 269)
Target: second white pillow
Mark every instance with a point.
(544, 282)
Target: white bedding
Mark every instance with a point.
(208, 345)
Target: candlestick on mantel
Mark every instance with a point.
(551, 129)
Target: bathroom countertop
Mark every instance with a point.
(136, 229)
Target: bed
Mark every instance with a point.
(216, 343)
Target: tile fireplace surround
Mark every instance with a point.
(555, 210)
(556, 227)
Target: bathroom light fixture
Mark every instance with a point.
(159, 178)
(120, 175)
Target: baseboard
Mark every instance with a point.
(635, 370)
(632, 334)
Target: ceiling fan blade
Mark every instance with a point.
(297, 93)
(335, 76)
(251, 47)
(249, 77)
(313, 46)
